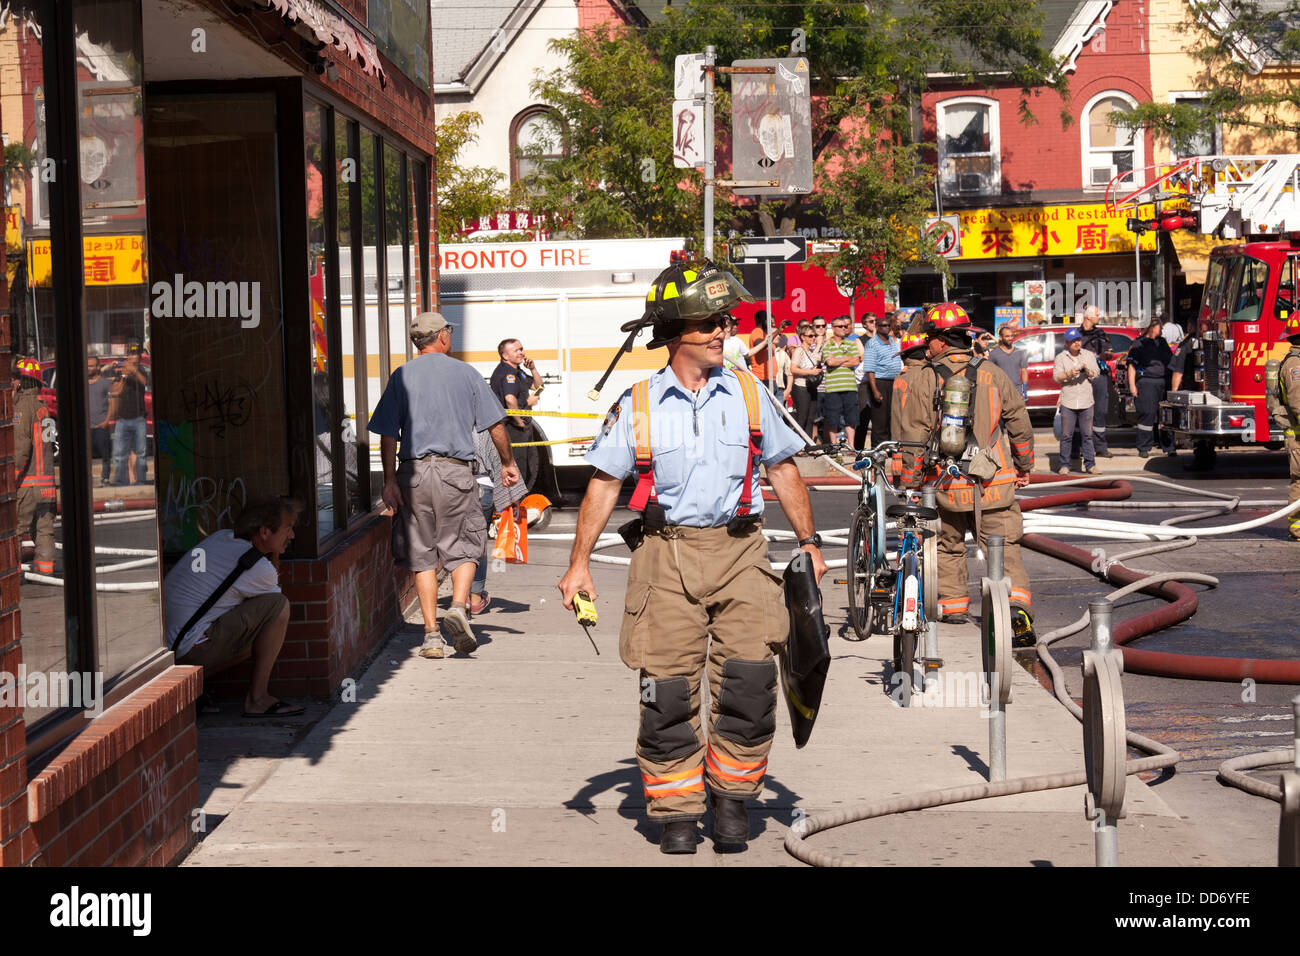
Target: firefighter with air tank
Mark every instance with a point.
(1283, 399)
(700, 588)
(34, 445)
(981, 448)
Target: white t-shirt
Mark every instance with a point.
(186, 587)
(733, 352)
(782, 367)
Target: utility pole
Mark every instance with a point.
(710, 58)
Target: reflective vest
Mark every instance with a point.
(29, 415)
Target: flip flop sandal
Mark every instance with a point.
(280, 708)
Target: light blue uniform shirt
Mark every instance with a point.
(699, 444)
(881, 358)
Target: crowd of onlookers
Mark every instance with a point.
(836, 376)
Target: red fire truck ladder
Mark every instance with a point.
(1230, 197)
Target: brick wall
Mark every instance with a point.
(1043, 155)
(17, 843)
(341, 606)
(124, 791)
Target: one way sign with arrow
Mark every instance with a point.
(770, 249)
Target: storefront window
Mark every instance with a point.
(215, 233)
(318, 265)
(395, 224)
(376, 360)
(355, 360)
(76, 283)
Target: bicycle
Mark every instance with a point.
(899, 597)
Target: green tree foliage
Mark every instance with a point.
(464, 192)
(870, 64)
(616, 178)
(1249, 52)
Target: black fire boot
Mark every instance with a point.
(678, 837)
(730, 820)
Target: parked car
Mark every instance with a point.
(1043, 343)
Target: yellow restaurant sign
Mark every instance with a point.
(107, 260)
(1024, 231)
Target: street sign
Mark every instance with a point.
(771, 127)
(945, 233)
(688, 78)
(770, 249)
(688, 133)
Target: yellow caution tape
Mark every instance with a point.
(529, 411)
(555, 441)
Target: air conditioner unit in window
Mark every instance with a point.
(1099, 176)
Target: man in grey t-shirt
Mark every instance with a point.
(101, 439)
(1013, 361)
(434, 404)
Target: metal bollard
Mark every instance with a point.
(1105, 746)
(1288, 831)
(997, 547)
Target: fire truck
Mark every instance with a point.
(1250, 289)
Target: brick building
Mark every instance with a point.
(239, 192)
(1029, 199)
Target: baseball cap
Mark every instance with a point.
(429, 323)
(1072, 335)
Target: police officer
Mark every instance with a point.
(1288, 414)
(694, 434)
(1097, 341)
(1148, 360)
(34, 462)
(1004, 439)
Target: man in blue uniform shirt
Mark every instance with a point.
(694, 434)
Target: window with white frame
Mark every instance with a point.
(536, 140)
(1205, 143)
(970, 152)
(1110, 150)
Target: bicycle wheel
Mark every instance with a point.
(907, 663)
(861, 574)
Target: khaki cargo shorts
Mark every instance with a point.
(441, 521)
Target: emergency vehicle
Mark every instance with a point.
(1250, 289)
(565, 300)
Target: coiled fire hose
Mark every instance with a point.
(1171, 587)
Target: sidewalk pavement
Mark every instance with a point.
(523, 754)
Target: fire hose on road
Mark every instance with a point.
(1172, 588)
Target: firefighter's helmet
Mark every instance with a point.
(944, 316)
(686, 291)
(27, 367)
(911, 342)
(1292, 327)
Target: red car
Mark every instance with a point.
(1043, 343)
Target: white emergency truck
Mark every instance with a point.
(564, 301)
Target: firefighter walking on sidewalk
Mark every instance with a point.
(700, 588)
(976, 487)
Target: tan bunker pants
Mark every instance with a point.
(954, 582)
(684, 586)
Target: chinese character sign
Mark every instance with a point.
(1048, 231)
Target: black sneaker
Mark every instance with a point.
(961, 617)
(1143, 454)
(1106, 454)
